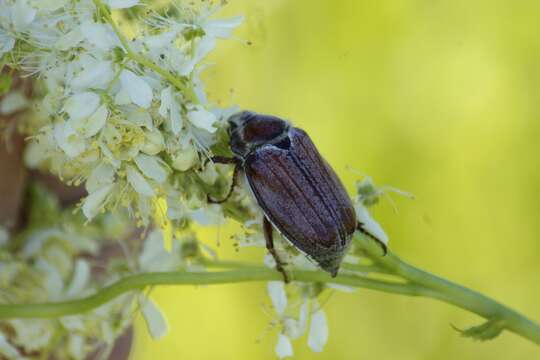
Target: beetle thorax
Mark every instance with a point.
(248, 131)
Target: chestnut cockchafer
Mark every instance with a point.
(299, 193)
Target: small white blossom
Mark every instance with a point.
(99, 36)
(13, 102)
(203, 119)
(155, 321)
(152, 167)
(222, 28)
(318, 330)
(139, 183)
(81, 105)
(94, 202)
(284, 347)
(9, 351)
(276, 290)
(80, 279)
(137, 88)
(95, 74)
(170, 109)
(122, 4)
(22, 14)
(154, 256)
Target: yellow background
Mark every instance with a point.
(439, 98)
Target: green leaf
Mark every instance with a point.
(486, 331)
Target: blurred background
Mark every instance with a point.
(439, 98)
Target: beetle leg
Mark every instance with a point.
(231, 189)
(267, 229)
(222, 160)
(360, 227)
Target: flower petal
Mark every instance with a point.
(155, 321)
(318, 331)
(222, 28)
(8, 350)
(96, 122)
(81, 105)
(12, 102)
(151, 167)
(185, 159)
(69, 40)
(369, 224)
(138, 182)
(22, 14)
(203, 119)
(81, 275)
(100, 36)
(122, 4)
(284, 347)
(96, 74)
(276, 290)
(68, 140)
(138, 89)
(94, 201)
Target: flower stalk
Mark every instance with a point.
(140, 59)
(413, 282)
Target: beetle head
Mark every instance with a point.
(249, 130)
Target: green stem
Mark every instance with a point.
(417, 283)
(141, 281)
(140, 59)
(441, 289)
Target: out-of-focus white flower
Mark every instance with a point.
(221, 28)
(33, 335)
(12, 102)
(154, 256)
(284, 347)
(155, 321)
(6, 42)
(22, 14)
(9, 351)
(121, 4)
(318, 330)
(276, 290)
(80, 279)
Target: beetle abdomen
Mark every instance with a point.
(303, 198)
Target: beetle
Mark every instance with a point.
(299, 193)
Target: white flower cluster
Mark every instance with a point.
(56, 259)
(127, 117)
(61, 259)
(293, 326)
